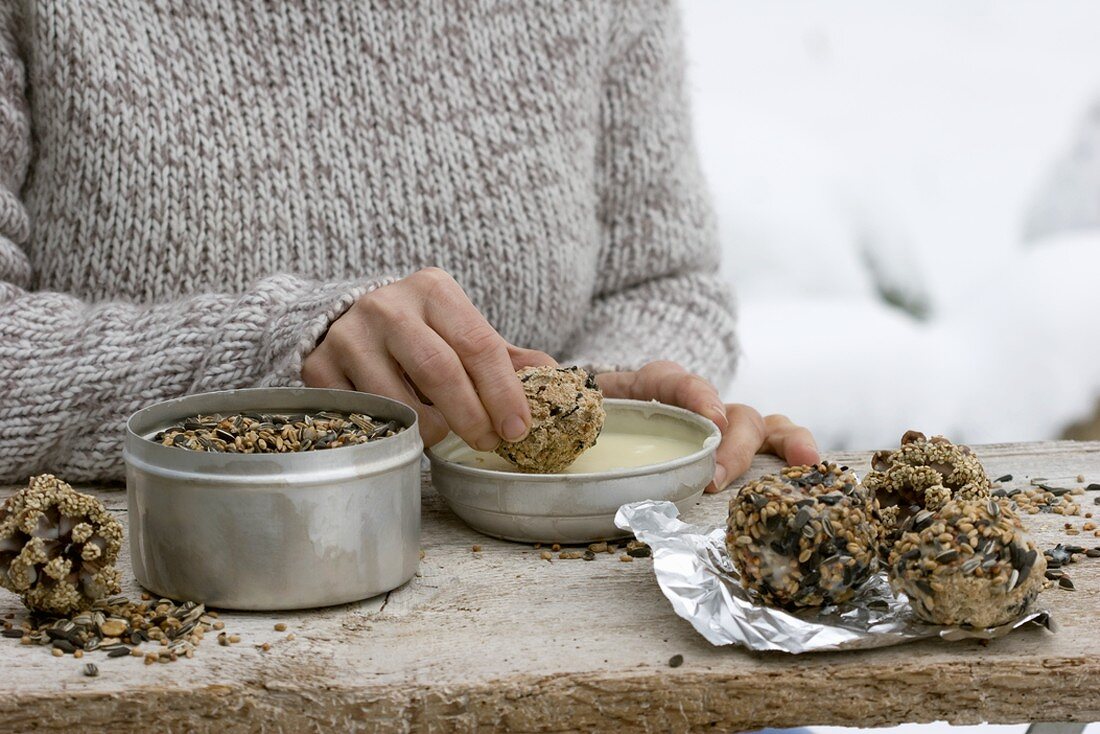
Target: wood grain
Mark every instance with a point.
(503, 641)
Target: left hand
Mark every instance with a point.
(745, 432)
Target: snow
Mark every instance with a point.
(856, 147)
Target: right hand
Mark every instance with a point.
(421, 341)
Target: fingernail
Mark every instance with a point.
(513, 428)
(488, 443)
(720, 476)
(718, 415)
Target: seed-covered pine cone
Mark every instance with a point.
(58, 547)
(924, 473)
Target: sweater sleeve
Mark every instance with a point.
(658, 293)
(71, 372)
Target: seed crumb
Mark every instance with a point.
(151, 658)
(280, 627)
(625, 558)
(1089, 526)
(290, 637)
(91, 670)
(219, 625)
(56, 653)
(676, 661)
(569, 555)
(1080, 478)
(78, 653)
(234, 638)
(137, 653)
(475, 548)
(555, 547)
(546, 555)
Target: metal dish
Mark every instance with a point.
(273, 531)
(577, 508)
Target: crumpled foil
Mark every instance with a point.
(696, 574)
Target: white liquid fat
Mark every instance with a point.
(612, 451)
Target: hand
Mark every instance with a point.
(421, 341)
(744, 432)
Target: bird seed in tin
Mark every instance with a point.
(276, 433)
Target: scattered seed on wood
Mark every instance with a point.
(234, 639)
(1005, 478)
(676, 661)
(290, 637)
(598, 547)
(475, 548)
(546, 555)
(626, 558)
(569, 555)
(12, 634)
(280, 627)
(1065, 583)
(555, 547)
(56, 653)
(1080, 478)
(589, 556)
(266, 646)
(91, 670)
(1093, 553)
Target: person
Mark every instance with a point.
(411, 199)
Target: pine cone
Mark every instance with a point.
(58, 547)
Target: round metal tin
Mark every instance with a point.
(273, 531)
(578, 508)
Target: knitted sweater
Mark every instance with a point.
(192, 191)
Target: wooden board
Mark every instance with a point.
(503, 641)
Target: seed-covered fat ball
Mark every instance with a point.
(968, 563)
(807, 537)
(58, 547)
(566, 418)
(923, 474)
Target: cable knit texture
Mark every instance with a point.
(191, 192)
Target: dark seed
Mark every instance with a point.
(91, 670)
(1093, 553)
(589, 556)
(1093, 488)
(117, 651)
(1054, 575)
(1065, 583)
(947, 556)
(12, 634)
(64, 646)
(642, 552)
(1005, 478)
(800, 519)
(676, 661)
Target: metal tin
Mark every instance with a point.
(578, 508)
(273, 531)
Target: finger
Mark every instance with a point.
(435, 369)
(671, 384)
(486, 360)
(529, 358)
(320, 370)
(740, 442)
(382, 376)
(790, 442)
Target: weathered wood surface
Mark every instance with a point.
(503, 641)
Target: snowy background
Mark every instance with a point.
(880, 171)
